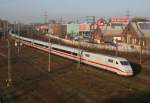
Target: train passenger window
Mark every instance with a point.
(69, 52)
(124, 62)
(87, 55)
(75, 54)
(110, 60)
(116, 62)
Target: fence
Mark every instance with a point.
(122, 47)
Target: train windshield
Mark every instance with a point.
(124, 62)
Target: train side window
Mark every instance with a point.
(110, 60)
(87, 55)
(116, 62)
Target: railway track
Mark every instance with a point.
(83, 93)
(50, 76)
(20, 84)
(143, 77)
(25, 82)
(146, 78)
(122, 81)
(104, 72)
(3, 55)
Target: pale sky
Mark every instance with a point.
(28, 11)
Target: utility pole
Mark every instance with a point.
(49, 41)
(49, 54)
(32, 33)
(7, 28)
(116, 48)
(141, 51)
(9, 64)
(60, 29)
(128, 14)
(79, 55)
(4, 31)
(9, 57)
(45, 17)
(18, 39)
(14, 27)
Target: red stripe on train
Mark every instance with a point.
(77, 57)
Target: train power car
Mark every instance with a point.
(118, 65)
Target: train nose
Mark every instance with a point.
(128, 70)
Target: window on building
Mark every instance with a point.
(144, 26)
(87, 55)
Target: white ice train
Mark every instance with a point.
(115, 64)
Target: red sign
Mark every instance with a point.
(83, 27)
(119, 19)
(54, 29)
(100, 22)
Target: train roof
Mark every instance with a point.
(76, 50)
(110, 56)
(67, 48)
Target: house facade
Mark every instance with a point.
(137, 33)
